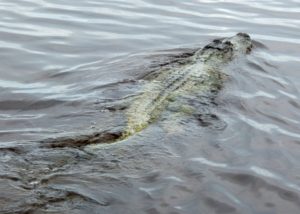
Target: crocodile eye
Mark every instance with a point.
(208, 47)
(228, 43)
(217, 41)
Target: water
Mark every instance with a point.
(61, 60)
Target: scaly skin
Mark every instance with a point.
(202, 74)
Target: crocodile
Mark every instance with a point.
(201, 72)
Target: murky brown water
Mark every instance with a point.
(60, 60)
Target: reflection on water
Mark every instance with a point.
(62, 61)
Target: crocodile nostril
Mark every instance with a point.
(217, 41)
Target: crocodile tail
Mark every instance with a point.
(104, 137)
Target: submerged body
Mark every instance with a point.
(165, 89)
(202, 73)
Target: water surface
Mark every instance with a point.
(61, 60)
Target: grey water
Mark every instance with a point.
(62, 60)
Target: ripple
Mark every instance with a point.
(60, 59)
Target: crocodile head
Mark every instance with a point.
(241, 43)
(224, 50)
